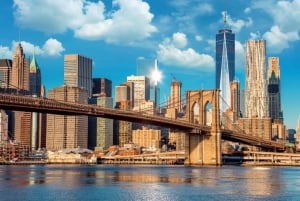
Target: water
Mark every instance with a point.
(147, 183)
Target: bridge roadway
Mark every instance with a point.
(43, 105)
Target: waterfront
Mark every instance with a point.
(105, 182)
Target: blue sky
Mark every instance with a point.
(179, 33)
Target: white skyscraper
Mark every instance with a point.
(141, 89)
(256, 96)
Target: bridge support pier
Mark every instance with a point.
(203, 149)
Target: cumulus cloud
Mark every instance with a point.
(247, 10)
(127, 22)
(5, 52)
(286, 27)
(237, 25)
(179, 40)
(51, 48)
(239, 55)
(198, 38)
(172, 53)
(278, 40)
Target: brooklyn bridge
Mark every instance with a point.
(203, 141)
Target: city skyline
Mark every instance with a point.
(180, 30)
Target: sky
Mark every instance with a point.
(180, 34)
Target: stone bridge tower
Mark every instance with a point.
(203, 148)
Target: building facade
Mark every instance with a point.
(141, 89)
(67, 131)
(78, 72)
(5, 68)
(102, 87)
(225, 55)
(147, 138)
(100, 129)
(175, 96)
(35, 89)
(256, 96)
(274, 89)
(19, 80)
(124, 100)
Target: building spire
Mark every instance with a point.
(225, 19)
(33, 64)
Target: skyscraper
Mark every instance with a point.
(274, 89)
(67, 131)
(225, 54)
(78, 72)
(35, 90)
(19, 79)
(124, 98)
(256, 97)
(101, 87)
(35, 77)
(175, 95)
(5, 67)
(101, 129)
(141, 89)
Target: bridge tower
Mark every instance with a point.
(203, 148)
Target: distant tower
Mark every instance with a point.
(101, 87)
(235, 99)
(225, 55)
(141, 89)
(19, 79)
(274, 89)
(5, 68)
(35, 90)
(175, 95)
(67, 131)
(124, 98)
(20, 70)
(100, 130)
(256, 97)
(78, 72)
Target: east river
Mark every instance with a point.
(170, 183)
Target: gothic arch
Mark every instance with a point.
(206, 100)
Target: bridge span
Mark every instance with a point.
(199, 134)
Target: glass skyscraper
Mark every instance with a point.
(227, 38)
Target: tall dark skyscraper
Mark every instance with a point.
(225, 36)
(101, 87)
(275, 111)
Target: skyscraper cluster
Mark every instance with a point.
(22, 76)
(262, 115)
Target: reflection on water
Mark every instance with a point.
(73, 182)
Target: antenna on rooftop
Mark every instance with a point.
(225, 14)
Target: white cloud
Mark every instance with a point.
(284, 13)
(51, 48)
(247, 10)
(179, 40)
(277, 40)
(5, 53)
(198, 38)
(239, 55)
(254, 36)
(127, 22)
(238, 24)
(169, 53)
(286, 25)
